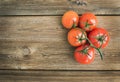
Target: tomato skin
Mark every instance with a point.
(84, 58)
(95, 35)
(70, 18)
(75, 37)
(88, 21)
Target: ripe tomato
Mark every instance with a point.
(84, 54)
(88, 21)
(76, 37)
(69, 19)
(99, 37)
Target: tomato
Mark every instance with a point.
(99, 37)
(84, 54)
(88, 21)
(70, 19)
(76, 37)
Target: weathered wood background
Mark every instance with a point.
(34, 48)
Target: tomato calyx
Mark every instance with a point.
(85, 51)
(87, 25)
(81, 37)
(101, 39)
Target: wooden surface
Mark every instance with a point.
(58, 7)
(59, 76)
(40, 42)
(34, 47)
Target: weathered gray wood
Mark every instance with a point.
(39, 42)
(58, 7)
(59, 76)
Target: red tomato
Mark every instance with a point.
(88, 21)
(76, 37)
(69, 19)
(99, 37)
(84, 54)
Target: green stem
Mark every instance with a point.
(74, 24)
(98, 49)
(87, 25)
(101, 55)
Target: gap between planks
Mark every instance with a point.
(59, 76)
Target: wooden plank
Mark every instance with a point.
(58, 7)
(39, 42)
(59, 76)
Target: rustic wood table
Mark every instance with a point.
(34, 48)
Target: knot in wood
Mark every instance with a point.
(26, 50)
(79, 2)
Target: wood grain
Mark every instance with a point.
(58, 7)
(59, 76)
(39, 42)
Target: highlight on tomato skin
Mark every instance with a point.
(76, 37)
(70, 19)
(84, 54)
(88, 21)
(99, 37)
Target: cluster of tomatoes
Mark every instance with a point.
(85, 35)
